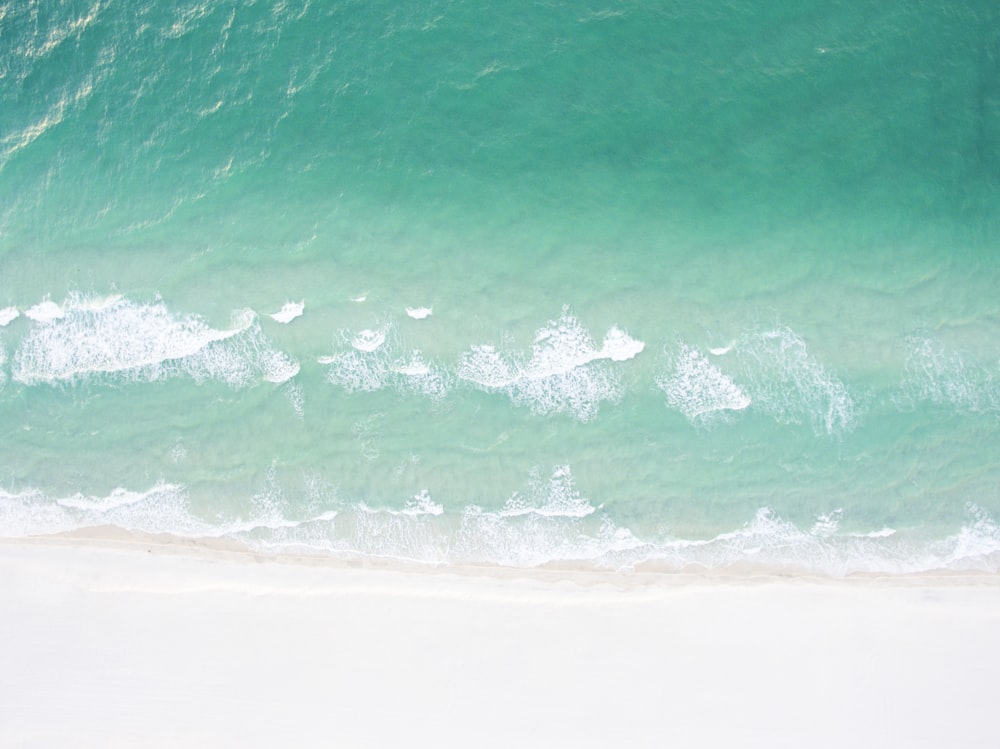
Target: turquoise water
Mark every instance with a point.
(631, 283)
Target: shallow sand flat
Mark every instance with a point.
(107, 643)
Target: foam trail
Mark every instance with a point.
(419, 313)
(785, 381)
(937, 375)
(296, 398)
(371, 362)
(113, 337)
(700, 390)
(566, 371)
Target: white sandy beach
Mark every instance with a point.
(131, 644)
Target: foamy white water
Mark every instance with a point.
(288, 312)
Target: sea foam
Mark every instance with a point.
(936, 374)
(783, 379)
(565, 372)
(548, 521)
(288, 312)
(123, 340)
(558, 497)
(44, 312)
(772, 542)
(373, 359)
(160, 509)
(8, 315)
(699, 389)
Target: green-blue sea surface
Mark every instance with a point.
(630, 283)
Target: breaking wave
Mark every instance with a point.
(771, 372)
(700, 390)
(565, 372)
(288, 312)
(161, 509)
(371, 360)
(8, 315)
(113, 338)
(548, 522)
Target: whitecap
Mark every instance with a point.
(883, 533)
(368, 340)
(288, 312)
(115, 337)
(45, 311)
(419, 313)
(8, 315)
(619, 345)
(565, 372)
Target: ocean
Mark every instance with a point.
(625, 285)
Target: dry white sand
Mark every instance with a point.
(127, 644)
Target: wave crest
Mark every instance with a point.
(566, 371)
(85, 338)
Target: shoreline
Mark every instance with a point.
(641, 575)
(142, 642)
